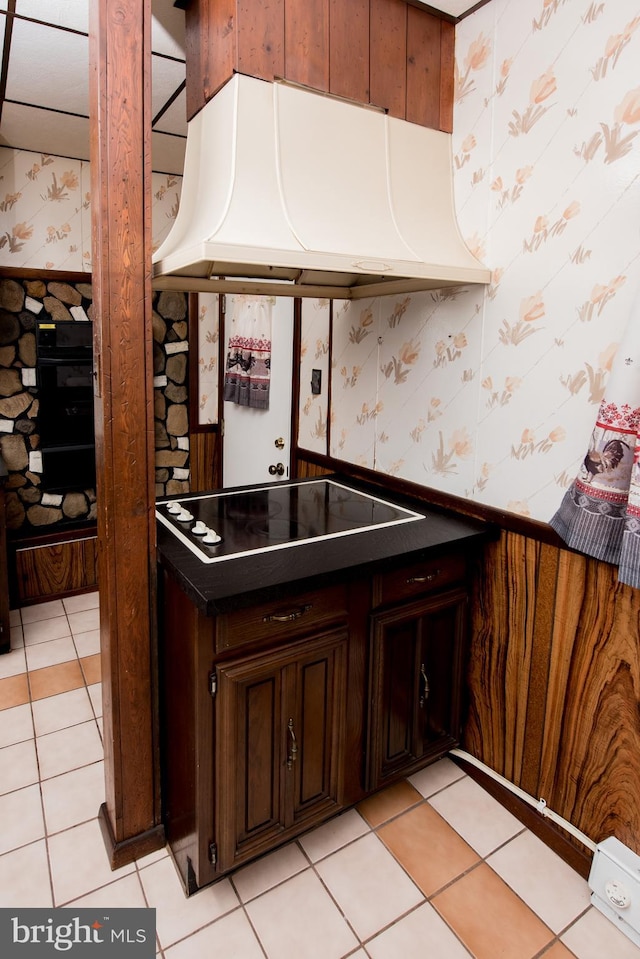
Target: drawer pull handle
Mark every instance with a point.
(293, 755)
(425, 687)
(428, 578)
(287, 617)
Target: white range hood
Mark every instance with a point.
(323, 196)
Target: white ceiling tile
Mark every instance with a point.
(167, 29)
(65, 13)
(3, 6)
(175, 118)
(28, 128)
(49, 67)
(167, 153)
(166, 77)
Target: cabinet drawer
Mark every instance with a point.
(418, 578)
(282, 618)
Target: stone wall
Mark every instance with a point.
(23, 303)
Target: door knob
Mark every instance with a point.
(279, 443)
(277, 469)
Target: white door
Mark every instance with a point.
(254, 439)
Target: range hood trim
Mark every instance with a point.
(211, 247)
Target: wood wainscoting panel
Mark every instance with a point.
(554, 683)
(54, 570)
(204, 461)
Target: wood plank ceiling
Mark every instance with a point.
(44, 98)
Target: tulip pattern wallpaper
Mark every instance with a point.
(491, 393)
(45, 210)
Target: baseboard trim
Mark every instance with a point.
(128, 850)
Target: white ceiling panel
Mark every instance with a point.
(64, 13)
(49, 67)
(455, 8)
(167, 29)
(28, 128)
(166, 77)
(167, 153)
(174, 120)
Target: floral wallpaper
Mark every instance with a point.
(208, 340)
(491, 393)
(45, 207)
(312, 420)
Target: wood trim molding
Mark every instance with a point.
(24, 273)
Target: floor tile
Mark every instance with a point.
(125, 893)
(152, 857)
(58, 712)
(435, 777)
(68, 749)
(490, 919)
(84, 620)
(420, 829)
(314, 927)
(388, 803)
(16, 725)
(368, 884)
(176, 915)
(41, 611)
(14, 691)
(421, 934)
(76, 604)
(87, 644)
(18, 766)
(546, 883)
(333, 835)
(95, 694)
(14, 617)
(594, 936)
(268, 871)
(55, 679)
(16, 637)
(13, 663)
(558, 951)
(79, 862)
(477, 816)
(21, 818)
(74, 797)
(24, 877)
(44, 630)
(91, 669)
(51, 653)
(231, 936)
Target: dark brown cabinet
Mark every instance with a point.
(416, 665)
(277, 715)
(279, 737)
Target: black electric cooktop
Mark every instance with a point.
(226, 525)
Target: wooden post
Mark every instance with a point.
(120, 77)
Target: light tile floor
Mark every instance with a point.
(431, 868)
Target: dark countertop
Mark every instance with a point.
(243, 581)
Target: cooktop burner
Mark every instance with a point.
(219, 526)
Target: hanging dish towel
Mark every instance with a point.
(600, 512)
(248, 369)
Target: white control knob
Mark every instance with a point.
(211, 537)
(184, 516)
(174, 508)
(200, 528)
(617, 894)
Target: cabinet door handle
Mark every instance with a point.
(425, 686)
(293, 754)
(287, 617)
(427, 578)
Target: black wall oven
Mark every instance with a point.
(65, 389)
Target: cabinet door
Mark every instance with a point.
(279, 729)
(416, 679)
